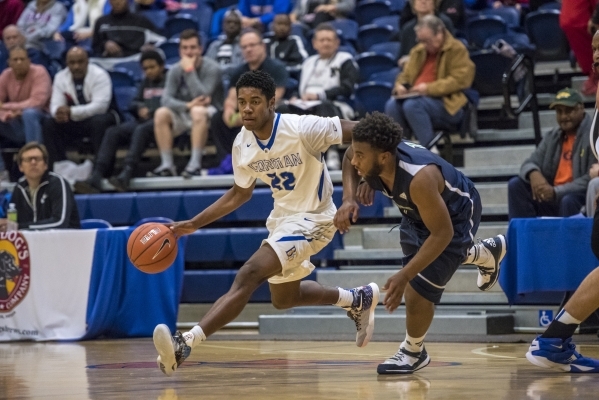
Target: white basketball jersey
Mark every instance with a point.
(291, 163)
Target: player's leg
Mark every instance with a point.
(173, 350)
(554, 348)
(359, 302)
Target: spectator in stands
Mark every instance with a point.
(421, 8)
(80, 21)
(10, 11)
(328, 77)
(438, 71)
(40, 20)
(80, 106)
(226, 51)
(258, 14)
(192, 94)
(43, 199)
(137, 134)
(592, 190)
(553, 180)
(120, 35)
(225, 125)
(283, 46)
(312, 13)
(454, 9)
(575, 20)
(24, 96)
(12, 37)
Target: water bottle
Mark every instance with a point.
(11, 216)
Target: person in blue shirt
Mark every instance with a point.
(441, 211)
(259, 14)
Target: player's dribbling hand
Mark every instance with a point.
(182, 228)
(365, 194)
(347, 209)
(395, 287)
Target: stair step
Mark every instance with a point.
(337, 323)
(499, 156)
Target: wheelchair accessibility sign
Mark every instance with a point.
(545, 317)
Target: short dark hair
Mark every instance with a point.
(325, 26)
(259, 80)
(251, 30)
(19, 47)
(151, 55)
(31, 146)
(190, 34)
(379, 131)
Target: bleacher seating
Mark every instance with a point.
(544, 32)
(372, 96)
(366, 11)
(372, 62)
(371, 34)
(178, 23)
(480, 28)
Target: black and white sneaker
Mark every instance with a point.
(162, 172)
(366, 298)
(488, 272)
(404, 362)
(172, 350)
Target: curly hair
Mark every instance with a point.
(259, 80)
(379, 131)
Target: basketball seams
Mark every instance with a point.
(134, 244)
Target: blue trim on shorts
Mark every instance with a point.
(293, 239)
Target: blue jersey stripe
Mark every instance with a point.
(293, 239)
(272, 135)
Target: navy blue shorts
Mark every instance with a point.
(431, 281)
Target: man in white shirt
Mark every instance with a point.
(284, 151)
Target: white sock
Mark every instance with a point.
(195, 161)
(413, 344)
(166, 159)
(194, 337)
(565, 318)
(477, 254)
(346, 298)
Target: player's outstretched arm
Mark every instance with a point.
(227, 203)
(349, 208)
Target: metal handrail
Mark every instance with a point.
(530, 100)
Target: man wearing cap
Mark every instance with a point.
(554, 179)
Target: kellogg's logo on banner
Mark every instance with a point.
(14, 270)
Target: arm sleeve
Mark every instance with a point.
(138, 100)
(101, 96)
(244, 8)
(68, 22)
(241, 173)
(170, 91)
(319, 133)
(205, 87)
(348, 78)
(98, 39)
(40, 93)
(62, 206)
(535, 161)
(57, 15)
(58, 98)
(279, 7)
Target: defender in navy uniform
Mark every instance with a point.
(441, 211)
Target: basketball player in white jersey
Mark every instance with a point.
(554, 348)
(285, 151)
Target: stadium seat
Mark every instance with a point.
(386, 76)
(168, 204)
(258, 208)
(372, 96)
(480, 28)
(490, 67)
(369, 10)
(372, 62)
(54, 49)
(157, 17)
(95, 223)
(392, 48)
(178, 23)
(391, 20)
(123, 97)
(171, 51)
(397, 6)
(542, 27)
(510, 16)
(245, 241)
(371, 34)
(195, 201)
(116, 208)
(348, 28)
(82, 205)
(121, 77)
(554, 5)
(208, 245)
(134, 67)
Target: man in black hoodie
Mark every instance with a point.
(138, 133)
(43, 199)
(121, 33)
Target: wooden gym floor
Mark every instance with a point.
(126, 369)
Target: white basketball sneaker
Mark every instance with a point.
(172, 350)
(366, 298)
(488, 272)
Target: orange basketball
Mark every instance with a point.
(152, 247)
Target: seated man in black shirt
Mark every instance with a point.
(43, 199)
(225, 126)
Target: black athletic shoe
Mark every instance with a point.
(404, 362)
(488, 273)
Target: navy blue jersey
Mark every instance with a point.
(458, 194)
